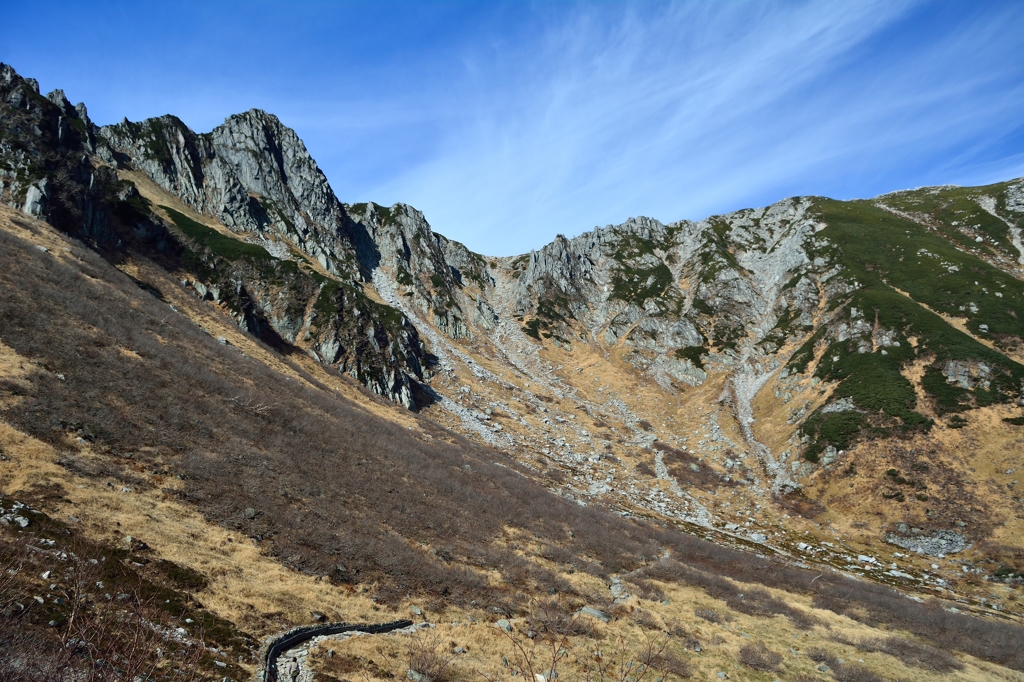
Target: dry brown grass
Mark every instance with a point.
(473, 534)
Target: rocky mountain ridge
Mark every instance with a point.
(654, 367)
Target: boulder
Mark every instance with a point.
(595, 613)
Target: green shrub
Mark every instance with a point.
(693, 354)
(956, 422)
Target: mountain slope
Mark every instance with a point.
(823, 380)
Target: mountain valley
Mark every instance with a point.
(326, 407)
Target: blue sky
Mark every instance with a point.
(508, 123)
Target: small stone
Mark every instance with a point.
(504, 625)
(249, 513)
(416, 611)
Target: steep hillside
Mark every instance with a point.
(831, 385)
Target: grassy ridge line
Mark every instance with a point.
(884, 252)
(878, 247)
(952, 207)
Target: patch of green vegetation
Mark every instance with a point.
(720, 255)
(403, 276)
(875, 385)
(1016, 421)
(726, 334)
(637, 285)
(532, 328)
(895, 477)
(78, 124)
(391, 318)
(326, 306)
(693, 354)
(225, 247)
(837, 429)
(272, 205)
(787, 319)
(154, 137)
(554, 309)
(882, 251)
(880, 248)
(948, 397)
(520, 262)
(384, 214)
(949, 205)
(630, 246)
(793, 281)
(702, 306)
(782, 327)
(956, 422)
(873, 381)
(437, 281)
(317, 277)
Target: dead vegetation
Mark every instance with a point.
(335, 491)
(760, 657)
(338, 492)
(72, 610)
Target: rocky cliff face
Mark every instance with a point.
(292, 276)
(44, 158)
(252, 174)
(676, 296)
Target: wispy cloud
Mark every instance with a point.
(509, 122)
(680, 110)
